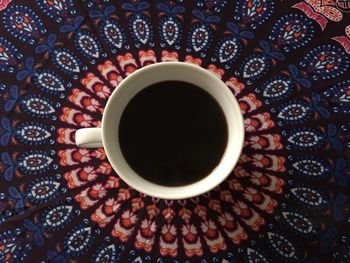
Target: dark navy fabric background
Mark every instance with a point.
(287, 62)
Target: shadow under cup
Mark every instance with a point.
(172, 71)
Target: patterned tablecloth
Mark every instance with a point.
(287, 62)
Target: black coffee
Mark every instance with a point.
(173, 133)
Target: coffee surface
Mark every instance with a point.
(173, 133)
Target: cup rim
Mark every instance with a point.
(182, 194)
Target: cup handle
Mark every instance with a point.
(89, 137)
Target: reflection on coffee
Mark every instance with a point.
(173, 133)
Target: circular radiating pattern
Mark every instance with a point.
(287, 200)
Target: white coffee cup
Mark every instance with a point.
(107, 135)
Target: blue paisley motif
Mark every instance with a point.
(253, 256)
(253, 67)
(300, 223)
(108, 252)
(170, 32)
(134, 257)
(113, 35)
(339, 96)
(48, 81)
(80, 239)
(36, 162)
(67, 61)
(309, 196)
(326, 62)
(257, 64)
(58, 10)
(284, 248)
(34, 133)
(11, 249)
(88, 45)
(139, 24)
(170, 27)
(57, 217)
(39, 106)
(342, 248)
(212, 5)
(276, 89)
(44, 189)
(310, 167)
(23, 23)
(253, 13)
(227, 50)
(141, 30)
(9, 56)
(199, 38)
(292, 31)
(294, 112)
(200, 35)
(304, 138)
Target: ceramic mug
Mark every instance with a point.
(107, 135)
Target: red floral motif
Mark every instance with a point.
(267, 181)
(168, 214)
(66, 136)
(74, 156)
(84, 100)
(104, 214)
(269, 162)
(321, 11)
(145, 236)
(233, 229)
(249, 103)
(191, 241)
(212, 236)
(96, 86)
(258, 122)
(344, 40)
(124, 226)
(80, 176)
(185, 214)
(249, 216)
(152, 211)
(97, 179)
(267, 142)
(4, 4)
(110, 72)
(343, 5)
(190, 59)
(90, 196)
(235, 86)
(217, 71)
(147, 57)
(127, 63)
(168, 241)
(169, 56)
(77, 118)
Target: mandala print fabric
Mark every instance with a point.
(287, 63)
